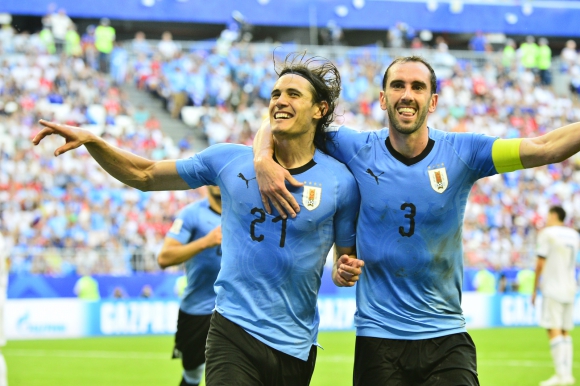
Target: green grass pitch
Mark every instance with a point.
(506, 357)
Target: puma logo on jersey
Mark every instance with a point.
(246, 180)
(369, 171)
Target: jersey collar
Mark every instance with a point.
(409, 161)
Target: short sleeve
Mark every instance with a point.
(184, 225)
(346, 216)
(203, 168)
(476, 151)
(344, 143)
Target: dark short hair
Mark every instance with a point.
(560, 212)
(324, 78)
(416, 59)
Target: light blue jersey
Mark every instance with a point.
(272, 267)
(409, 229)
(195, 221)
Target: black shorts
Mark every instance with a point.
(235, 358)
(445, 361)
(190, 339)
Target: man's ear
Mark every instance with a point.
(322, 110)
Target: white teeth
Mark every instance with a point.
(406, 110)
(282, 115)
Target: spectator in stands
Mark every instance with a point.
(89, 50)
(528, 53)
(87, 288)
(72, 45)
(508, 59)
(525, 279)
(47, 39)
(167, 47)
(569, 55)
(119, 63)
(544, 61)
(478, 43)
(104, 42)
(484, 282)
(139, 45)
(60, 24)
(441, 44)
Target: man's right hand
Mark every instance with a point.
(271, 177)
(214, 237)
(74, 136)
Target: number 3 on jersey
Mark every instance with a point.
(261, 219)
(410, 210)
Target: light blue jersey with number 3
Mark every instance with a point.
(272, 267)
(409, 232)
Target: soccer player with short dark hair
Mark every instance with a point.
(557, 248)
(264, 328)
(194, 239)
(414, 181)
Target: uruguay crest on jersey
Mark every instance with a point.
(438, 178)
(311, 196)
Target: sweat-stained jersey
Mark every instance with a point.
(271, 267)
(409, 232)
(193, 222)
(559, 246)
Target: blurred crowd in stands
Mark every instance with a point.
(65, 214)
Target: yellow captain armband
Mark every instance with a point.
(505, 154)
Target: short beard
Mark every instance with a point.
(394, 124)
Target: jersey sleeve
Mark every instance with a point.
(346, 215)
(476, 151)
(203, 168)
(184, 225)
(344, 143)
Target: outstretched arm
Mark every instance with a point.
(347, 268)
(173, 252)
(135, 171)
(271, 176)
(553, 147)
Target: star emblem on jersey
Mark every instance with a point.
(438, 177)
(311, 195)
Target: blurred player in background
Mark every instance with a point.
(265, 327)
(3, 291)
(195, 239)
(557, 249)
(414, 182)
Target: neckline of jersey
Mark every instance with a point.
(409, 161)
(299, 169)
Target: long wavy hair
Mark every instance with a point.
(326, 85)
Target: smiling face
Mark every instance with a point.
(293, 111)
(407, 97)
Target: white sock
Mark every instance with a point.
(3, 371)
(567, 350)
(556, 348)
